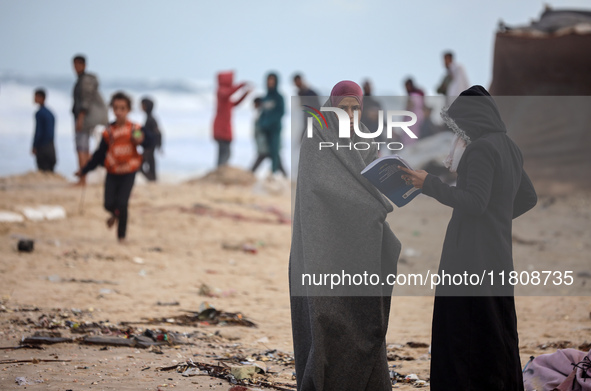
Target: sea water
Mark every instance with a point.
(184, 110)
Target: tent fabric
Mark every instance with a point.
(554, 135)
(542, 85)
(555, 22)
(552, 65)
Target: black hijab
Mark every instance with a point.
(473, 114)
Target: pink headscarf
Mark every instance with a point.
(346, 88)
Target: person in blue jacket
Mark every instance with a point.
(272, 112)
(43, 147)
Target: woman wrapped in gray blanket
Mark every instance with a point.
(339, 323)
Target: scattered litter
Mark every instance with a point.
(396, 357)
(117, 341)
(10, 217)
(107, 291)
(40, 339)
(237, 375)
(98, 333)
(57, 278)
(412, 378)
(245, 247)
(168, 303)
(243, 372)
(22, 381)
(142, 273)
(54, 278)
(269, 356)
(394, 346)
(262, 340)
(416, 345)
(394, 376)
(556, 345)
(44, 212)
(207, 315)
(19, 309)
(145, 340)
(75, 255)
(519, 240)
(207, 291)
(26, 245)
(261, 367)
(194, 371)
(138, 260)
(411, 252)
(22, 347)
(32, 361)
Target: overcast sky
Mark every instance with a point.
(328, 41)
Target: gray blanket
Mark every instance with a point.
(339, 227)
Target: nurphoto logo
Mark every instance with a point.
(392, 121)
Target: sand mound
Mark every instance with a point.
(227, 175)
(33, 177)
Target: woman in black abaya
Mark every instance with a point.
(474, 336)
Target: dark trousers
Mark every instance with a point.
(45, 157)
(117, 191)
(273, 139)
(149, 164)
(223, 152)
(261, 158)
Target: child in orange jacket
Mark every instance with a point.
(118, 153)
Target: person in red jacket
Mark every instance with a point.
(222, 125)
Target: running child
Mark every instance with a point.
(118, 153)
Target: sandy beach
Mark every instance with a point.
(227, 246)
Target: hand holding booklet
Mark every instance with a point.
(384, 174)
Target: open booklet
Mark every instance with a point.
(384, 174)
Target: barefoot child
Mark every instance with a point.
(118, 153)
